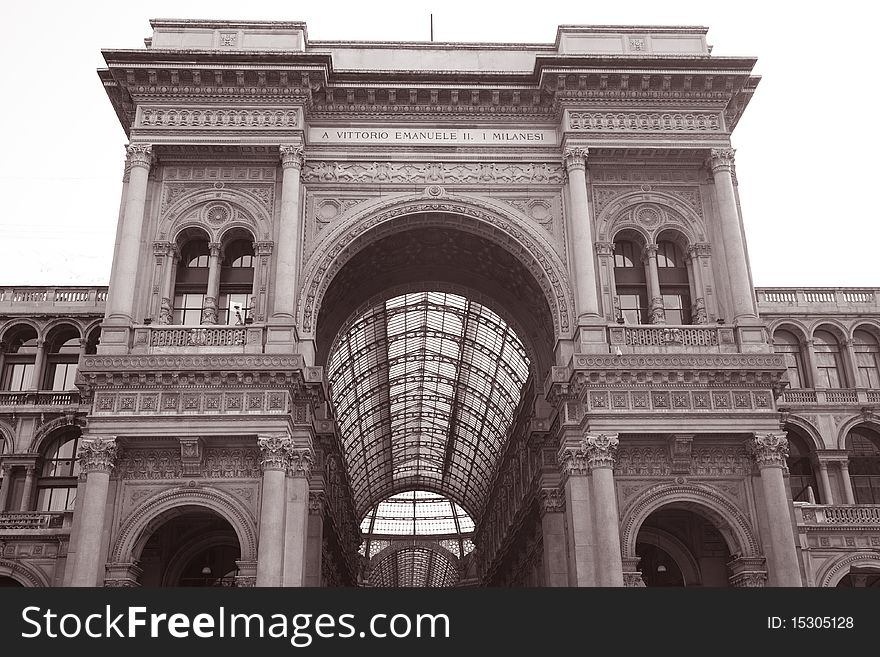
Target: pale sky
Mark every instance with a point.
(806, 154)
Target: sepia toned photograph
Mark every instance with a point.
(437, 295)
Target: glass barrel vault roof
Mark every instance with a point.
(425, 386)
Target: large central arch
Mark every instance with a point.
(468, 215)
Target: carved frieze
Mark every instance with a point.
(192, 401)
(645, 460)
(645, 121)
(715, 460)
(226, 118)
(408, 173)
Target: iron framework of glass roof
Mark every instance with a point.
(425, 387)
(414, 566)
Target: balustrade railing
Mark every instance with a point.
(71, 298)
(783, 299)
(31, 520)
(799, 396)
(839, 514)
(40, 398)
(221, 336)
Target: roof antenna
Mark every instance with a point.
(432, 27)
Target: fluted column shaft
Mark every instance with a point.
(587, 296)
(578, 516)
(770, 451)
(290, 230)
(121, 292)
(741, 290)
(97, 457)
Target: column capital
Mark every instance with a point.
(699, 249)
(291, 156)
(575, 158)
(274, 451)
(214, 249)
(97, 454)
(605, 248)
(721, 159)
(317, 502)
(651, 251)
(300, 463)
(601, 449)
(263, 248)
(138, 155)
(769, 449)
(573, 460)
(551, 500)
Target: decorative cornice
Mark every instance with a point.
(575, 158)
(601, 449)
(300, 463)
(291, 156)
(709, 121)
(551, 500)
(97, 455)
(431, 173)
(769, 449)
(721, 159)
(274, 451)
(139, 155)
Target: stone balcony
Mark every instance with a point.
(38, 400)
(35, 524)
(170, 339)
(806, 397)
(671, 338)
(825, 516)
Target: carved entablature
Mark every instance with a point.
(426, 173)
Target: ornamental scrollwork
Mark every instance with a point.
(274, 451)
(97, 455)
(769, 449)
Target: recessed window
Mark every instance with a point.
(19, 360)
(867, 354)
(787, 344)
(828, 367)
(863, 448)
(56, 488)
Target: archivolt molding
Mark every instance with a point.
(868, 419)
(809, 429)
(22, 573)
(728, 519)
(235, 208)
(7, 438)
(148, 517)
(649, 212)
(839, 568)
(468, 214)
(46, 430)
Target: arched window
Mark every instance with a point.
(867, 352)
(827, 360)
(789, 346)
(63, 356)
(236, 282)
(674, 284)
(800, 467)
(21, 353)
(56, 487)
(863, 449)
(191, 283)
(629, 277)
(93, 340)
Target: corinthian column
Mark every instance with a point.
(274, 461)
(209, 308)
(578, 515)
(552, 507)
(600, 450)
(121, 293)
(741, 291)
(770, 451)
(96, 457)
(297, 516)
(584, 264)
(290, 229)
